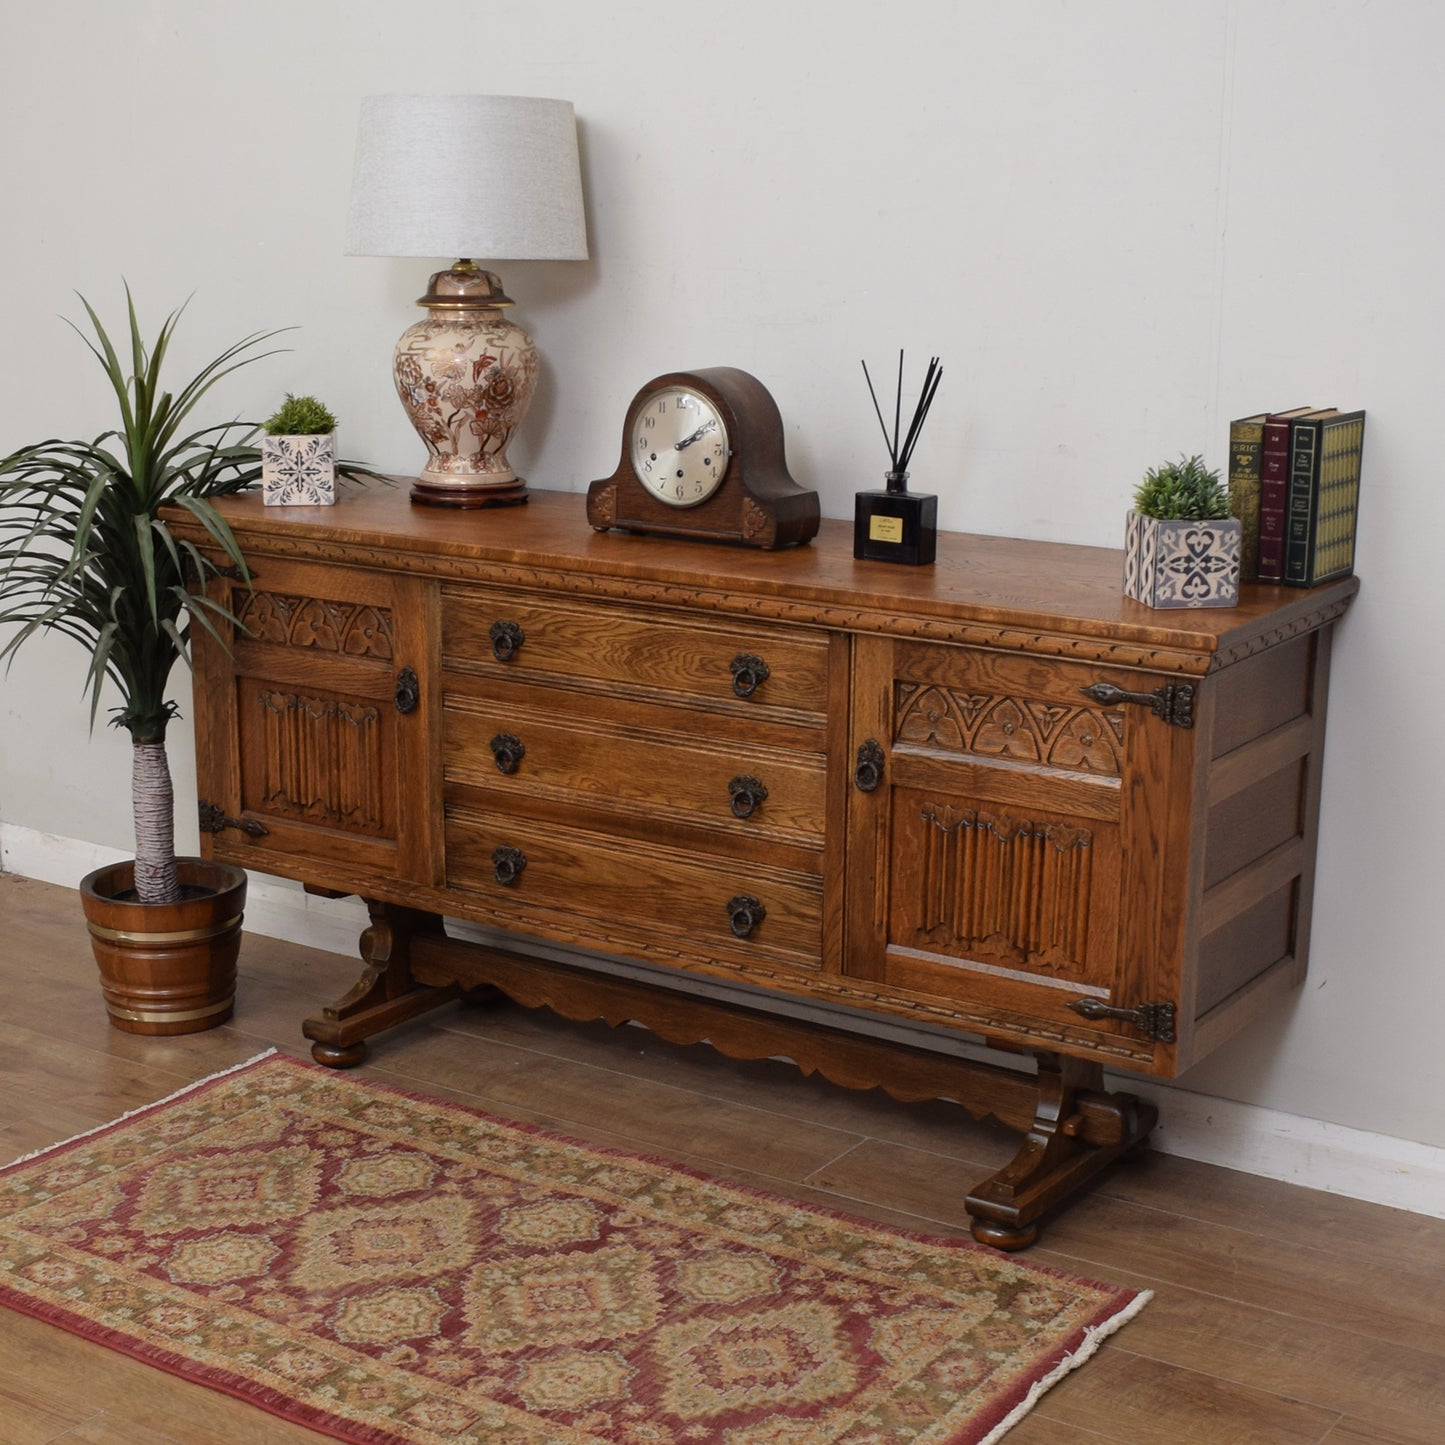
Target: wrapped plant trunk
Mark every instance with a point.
(153, 802)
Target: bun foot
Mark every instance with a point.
(1004, 1236)
(337, 1056)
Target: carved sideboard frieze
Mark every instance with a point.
(1056, 735)
(349, 629)
(1265, 640)
(719, 602)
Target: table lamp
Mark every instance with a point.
(493, 177)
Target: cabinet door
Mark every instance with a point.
(312, 732)
(1024, 848)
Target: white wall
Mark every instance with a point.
(1119, 224)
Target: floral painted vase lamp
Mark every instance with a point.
(474, 176)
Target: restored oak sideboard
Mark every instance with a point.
(858, 815)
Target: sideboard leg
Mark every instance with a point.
(1063, 1149)
(386, 993)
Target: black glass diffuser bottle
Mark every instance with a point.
(896, 525)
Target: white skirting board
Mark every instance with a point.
(1310, 1152)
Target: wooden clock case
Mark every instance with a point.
(758, 504)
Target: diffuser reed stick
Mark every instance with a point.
(900, 456)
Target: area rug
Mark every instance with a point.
(384, 1267)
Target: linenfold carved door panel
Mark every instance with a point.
(316, 724)
(1011, 859)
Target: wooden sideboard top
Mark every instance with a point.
(1059, 589)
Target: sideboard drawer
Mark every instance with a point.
(634, 652)
(742, 791)
(576, 886)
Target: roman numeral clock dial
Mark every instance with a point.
(702, 457)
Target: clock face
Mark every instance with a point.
(678, 446)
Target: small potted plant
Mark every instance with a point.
(1181, 546)
(298, 454)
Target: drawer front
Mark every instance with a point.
(633, 652)
(744, 791)
(581, 887)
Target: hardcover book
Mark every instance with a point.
(1246, 444)
(1324, 494)
(1274, 492)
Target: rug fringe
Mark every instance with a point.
(1094, 1336)
(141, 1109)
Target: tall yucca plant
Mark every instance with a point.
(85, 551)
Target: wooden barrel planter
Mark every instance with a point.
(167, 968)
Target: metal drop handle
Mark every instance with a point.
(868, 771)
(506, 637)
(408, 691)
(749, 672)
(507, 865)
(744, 914)
(508, 751)
(745, 794)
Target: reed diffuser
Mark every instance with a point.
(896, 525)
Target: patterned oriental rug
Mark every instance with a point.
(383, 1267)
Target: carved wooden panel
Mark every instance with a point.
(321, 760)
(1009, 889)
(348, 629)
(1055, 735)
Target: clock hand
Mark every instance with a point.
(701, 432)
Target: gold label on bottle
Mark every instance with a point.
(885, 529)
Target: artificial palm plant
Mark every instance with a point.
(86, 551)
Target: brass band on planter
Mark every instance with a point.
(189, 935)
(159, 1016)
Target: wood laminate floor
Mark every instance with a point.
(1281, 1316)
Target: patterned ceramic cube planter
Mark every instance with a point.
(298, 471)
(1181, 563)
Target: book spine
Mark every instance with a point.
(1304, 468)
(1246, 447)
(1336, 501)
(1273, 498)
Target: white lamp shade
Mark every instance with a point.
(488, 177)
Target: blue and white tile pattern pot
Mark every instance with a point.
(298, 471)
(1182, 564)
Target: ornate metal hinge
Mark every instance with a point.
(1174, 702)
(1154, 1020)
(213, 819)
